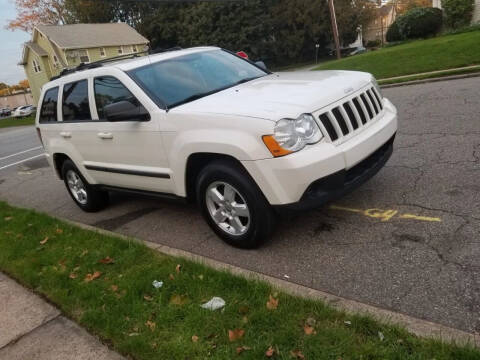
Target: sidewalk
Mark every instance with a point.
(30, 328)
(472, 67)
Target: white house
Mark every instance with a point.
(476, 10)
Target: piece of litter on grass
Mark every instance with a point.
(214, 303)
(381, 336)
(348, 322)
(157, 284)
(286, 276)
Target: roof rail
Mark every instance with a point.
(99, 63)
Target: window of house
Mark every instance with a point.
(102, 52)
(36, 66)
(55, 60)
(120, 50)
(134, 48)
(83, 54)
(109, 90)
(75, 105)
(48, 110)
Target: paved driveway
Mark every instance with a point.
(408, 240)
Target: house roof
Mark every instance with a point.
(77, 36)
(37, 49)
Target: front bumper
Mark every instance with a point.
(335, 186)
(286, 180)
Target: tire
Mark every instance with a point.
(91, 200)
(218, 179)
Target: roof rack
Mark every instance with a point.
(99, 63)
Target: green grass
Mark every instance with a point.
(440, 53)
(118, 305)
(10, 122)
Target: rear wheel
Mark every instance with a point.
(233, 206)
(82, 193)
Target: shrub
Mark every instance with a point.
(374, 43)
(416, 23)
(393, 33)
(458, 13)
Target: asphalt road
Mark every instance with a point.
(408, 240)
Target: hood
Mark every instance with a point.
(281, 95)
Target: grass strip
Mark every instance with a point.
(10, 122)
(105, 284)
(430, 76)
(439, 53)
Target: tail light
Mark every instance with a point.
(39, 133)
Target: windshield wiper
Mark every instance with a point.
(206, 93)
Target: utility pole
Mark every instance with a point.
(333, 17)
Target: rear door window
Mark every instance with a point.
(75, 105)
(48, 111)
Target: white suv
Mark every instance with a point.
(205, 125)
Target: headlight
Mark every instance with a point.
(377, 87)
(291, 135)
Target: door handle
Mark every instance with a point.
(103, 135)
(66, 134)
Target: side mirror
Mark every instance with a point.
(125, 111)
(261, 65)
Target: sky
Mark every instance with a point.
(10, 46)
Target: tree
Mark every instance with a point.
(24, 84)
(34, 12)
(458, 13)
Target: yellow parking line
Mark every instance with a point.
(421, 218)
(385, 215)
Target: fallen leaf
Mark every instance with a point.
(91, 277)
(200, 277)
(311, 321)
(148, 298)
(177, 269)
(8, 218)
(309, 330)
(44, 241)
(381, 336)
(347, 322)
(194, 338)
(272, 303)
(151, 325)
(106, 261)
(234, 335)
(241, 349)
(59, 231)
(84, 252)
(243, 310)
(114, 288)
(171, 277)
(297, 354)
(178, 300)
(76, 268)
(72, 275)
(133, 334)
(270, 352)
(245, 319)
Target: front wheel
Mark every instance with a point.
(233, 206)
(84, 195)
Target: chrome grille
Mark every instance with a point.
(352, 114)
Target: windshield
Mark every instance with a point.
(186, 78)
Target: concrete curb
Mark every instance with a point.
(432, 80)
(416, 326)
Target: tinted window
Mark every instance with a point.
(186, 78)
(109, 90)
(48, 111)
(75, 101)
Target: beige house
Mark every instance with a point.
(378, 27)
(56, 47)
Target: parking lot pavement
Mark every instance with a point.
(18, 145)
(408, 240)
